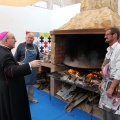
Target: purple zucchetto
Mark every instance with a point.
(2, 34)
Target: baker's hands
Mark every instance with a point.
(35, 63)
(112, 88)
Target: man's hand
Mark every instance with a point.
(110, 91)
(35, 63)
(19, 63)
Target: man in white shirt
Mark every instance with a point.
(110, 93)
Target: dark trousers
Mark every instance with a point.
(110, 116)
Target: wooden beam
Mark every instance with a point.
(79, 31)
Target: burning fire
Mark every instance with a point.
(73, 72)
(91, 77)
(94, 75)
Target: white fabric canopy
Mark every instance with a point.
(18, 3)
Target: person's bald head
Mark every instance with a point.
(7, 39)
(30, 38)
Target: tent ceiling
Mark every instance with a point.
(18, 3)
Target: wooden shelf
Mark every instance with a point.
(49, 65)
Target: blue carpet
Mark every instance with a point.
(51, 108)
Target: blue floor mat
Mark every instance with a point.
(51, 108)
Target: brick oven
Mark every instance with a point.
(82, 50)
(78, 48)
(80, 42)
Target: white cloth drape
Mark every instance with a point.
(18, 3)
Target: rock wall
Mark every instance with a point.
(95, 14)
(96, 4)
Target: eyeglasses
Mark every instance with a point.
(109, 34)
